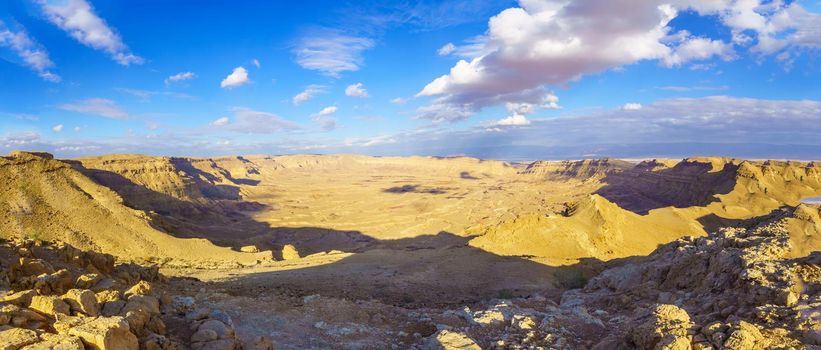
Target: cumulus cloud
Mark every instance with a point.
(222, 121)
(238, 77)
(327, 110)
(32, 53)
(631, 106)
(768, 26)
(78, 19)
(97, 106)
(307, 94)
(446, 49)
(249, 121)
(356, 90)
(331, 52)
(57, 128)
(519, 111)
(694, 48)
(399, 100)
(547, 43)
(180, 77)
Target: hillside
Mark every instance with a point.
(49, 199)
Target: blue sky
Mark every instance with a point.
(501, 79)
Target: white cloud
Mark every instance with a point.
(57, 128)
(222, 121)
(356, 90)
(33, 54)
(399, 101)
(255, 62)
(327, 110)
(699, 49)
(631, 106)
(769, 26)
(331, 52)
(180, 77)
(446, 49)
(249, 121)
(77, 129)
(77, 18)
(515, 119)
(540, 44)
(97, 106)
(307, 94)
(237, 77)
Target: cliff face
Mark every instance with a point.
(582, 169)
(759, 185)
(47, 199)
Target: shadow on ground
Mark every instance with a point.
(685, 185)
(423, 271)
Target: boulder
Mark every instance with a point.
(140, 288)
(289, 252)
(32, 267)
(249, 249)
(49, 305)
(87, 281)
(50, 341)
(666, 327)
(55, 283)
(450, 340)
(743, 335)
(21, 298)
(83, 301)
(105, 333)
(15, 338)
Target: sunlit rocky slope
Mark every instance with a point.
(464, 251)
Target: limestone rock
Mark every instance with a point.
(289, 252)
(21, 298)
(667, 327)
(743, 336)
(83, 301)
(56, 342)
(105, 333)
(450, 340)
(140, 288)
(49, 305)
(15, 338)
(249, 249)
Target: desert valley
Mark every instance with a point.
(327, 251)
(410, 175)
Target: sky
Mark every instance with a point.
(526, 80)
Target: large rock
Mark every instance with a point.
(105, 333)
(450, 340)
(289, 252)
(666, 327)
(32, 267)
(83, 301)
(50, 341)
(15, 338)
(249, 249)
(21, 298)
(49, 305)
(743, 336)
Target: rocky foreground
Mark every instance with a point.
(739, 288)
(59, 297)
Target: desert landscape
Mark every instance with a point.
(410, 175)
(344, 251)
